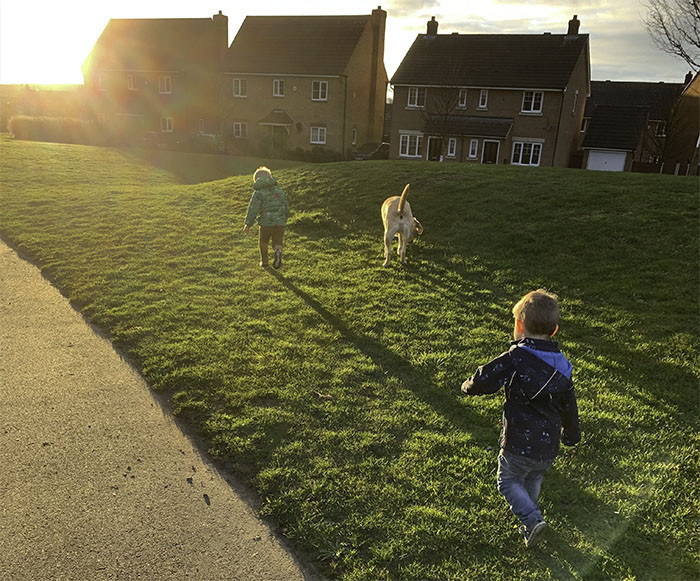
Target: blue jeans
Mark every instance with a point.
(519, 480)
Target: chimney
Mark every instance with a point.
(688, 78)
(432, 27)
(221, 31)
(574, 24)
(376, 89)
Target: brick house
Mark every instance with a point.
(627, 124)
(157, 75)
(491, 98)
(304, 82)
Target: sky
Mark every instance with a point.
(46, 41)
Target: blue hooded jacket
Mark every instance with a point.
(540, 408)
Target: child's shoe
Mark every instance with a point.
(534, 537)
(278, 258)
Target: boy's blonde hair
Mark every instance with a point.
(260, 172)
(539, 312)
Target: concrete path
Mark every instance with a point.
(96, 480)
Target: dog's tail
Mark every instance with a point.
(402, 201)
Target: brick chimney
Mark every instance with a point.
(221, 31)
(378, 28)
(574, 24)
(432, 27)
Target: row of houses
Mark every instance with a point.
(303, 83)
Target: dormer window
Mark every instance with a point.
(240, 88)
(416, 97)
(532, 102)
(319, 90)
(165, 85)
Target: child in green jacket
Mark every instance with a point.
(270, 205)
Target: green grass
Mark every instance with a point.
(332, 386)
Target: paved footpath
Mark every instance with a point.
(96, 479)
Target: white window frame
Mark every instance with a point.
(584, 124)
(166, 124)
(320, 137)
(411, 145)
(165, 85)
(319, 91)
(130, 82)
(239, 87)
(483, 99)
(529, 100)
(452, 147)
(416, 97)
(354, 136)
(660, 129)
(240, 130)
(278, 87)
(473, 149)
(202, 125)
(525, 153)
(462, 99)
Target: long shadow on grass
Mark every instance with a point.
(417, 380)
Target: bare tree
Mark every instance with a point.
(674, 26)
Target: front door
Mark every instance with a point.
(434, 148)
(490, 152)
(279, 139)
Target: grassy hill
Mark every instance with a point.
(332, 386)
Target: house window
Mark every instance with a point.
(202, 125)
(416, 96)
(483, 99)
(130, 82)
(532, 102)
(240, 88)
(473, 148)
(319, 91)
(584, 124)
(278, 88)
(526, 153)
(410, 145)
(166, 124)
(462, 99)
(318, 135)
(240, 129)
(661, 129)
(451, 147)
(354, 136)
(573, 109)
(165, 85)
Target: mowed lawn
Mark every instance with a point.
(332, 386)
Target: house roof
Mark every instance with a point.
(542, 61)
(658, 97)
(155, 44)
(616, 127)
(318, 45)
(496, 127)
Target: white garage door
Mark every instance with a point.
(606, 160)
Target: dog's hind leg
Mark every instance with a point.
(387, 248)
(403, 242)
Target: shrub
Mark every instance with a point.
(58, 129)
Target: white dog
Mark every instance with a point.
(398, 221)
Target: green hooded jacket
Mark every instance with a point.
(269, 204)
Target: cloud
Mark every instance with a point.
(407, 8)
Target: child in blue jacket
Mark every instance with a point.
(540, 408)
